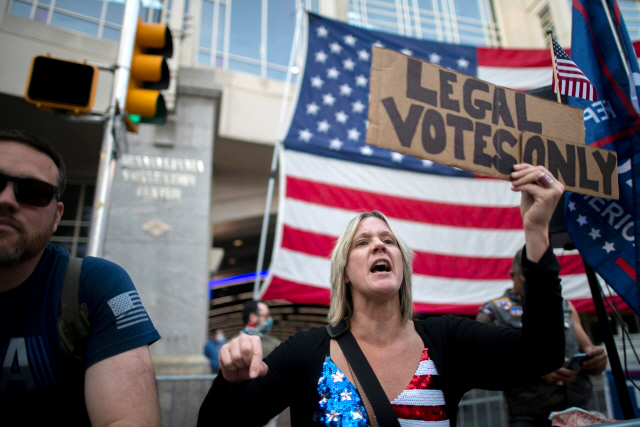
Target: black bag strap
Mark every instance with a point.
(73, 323)
(382, 408)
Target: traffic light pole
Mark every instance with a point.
(106, 168)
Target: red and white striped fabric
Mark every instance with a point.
(421, 404)
(519, 69)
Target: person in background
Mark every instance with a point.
(40, 383)
(258, 322)
(424, 367)
(212, 349)
(566, 387)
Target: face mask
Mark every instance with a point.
(265, 327)
(219, 338)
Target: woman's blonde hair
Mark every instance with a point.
(341, 302)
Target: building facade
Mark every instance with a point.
(200, 181)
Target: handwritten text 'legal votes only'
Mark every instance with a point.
(433, 113)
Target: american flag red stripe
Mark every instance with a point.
(626, 267)
(455, 215)
(417, 412)
(432, 264)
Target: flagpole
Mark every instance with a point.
(616, 36)
(607, 336)
(555, 68)
(276, 153)
(623, 54)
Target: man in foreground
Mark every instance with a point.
(40, 383)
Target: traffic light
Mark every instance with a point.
(58, 84)
(149, 74)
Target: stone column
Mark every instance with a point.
(159, 228)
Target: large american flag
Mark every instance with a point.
(571, 80)
(464, 229)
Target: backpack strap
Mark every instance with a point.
(73, 323)
(381, 407)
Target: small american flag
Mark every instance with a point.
(128, 309)
(571, 80)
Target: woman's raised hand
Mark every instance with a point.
(241, 359)
(540, 195)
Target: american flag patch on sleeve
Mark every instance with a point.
(128, 309)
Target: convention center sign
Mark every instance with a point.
(421, 109)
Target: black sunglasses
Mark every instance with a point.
(30, 191)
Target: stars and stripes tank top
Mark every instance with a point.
(421, 404)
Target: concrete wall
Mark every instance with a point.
(520, 25)
(159, 229)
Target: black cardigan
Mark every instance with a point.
(467, 354)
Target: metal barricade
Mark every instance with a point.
(181, 397)
(485, 408)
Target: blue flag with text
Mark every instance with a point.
(603, 230)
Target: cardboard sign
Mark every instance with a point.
(433, 113)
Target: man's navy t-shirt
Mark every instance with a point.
(39, 381)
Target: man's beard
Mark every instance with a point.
(28, 245)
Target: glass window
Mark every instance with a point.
(41, 14)
(206, 31)
(111, 34)
(449, 21)
(468, 9)
(246, 24)
(279, 74)
(244, 66)
(115, 13)
(70, 199)
(84, 231)
(87, 206)
(631, 13)
(86, 16)
(73, 23)
(151, 11)
(204, 58)
(281, 24)
(65, 230)
(73, 231)
(91, 8)
(425, 4)
(21, 9)
(221, 27)
(246, 36)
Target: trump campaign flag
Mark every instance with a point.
(604, 230)
(464, 229)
